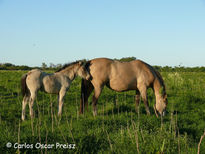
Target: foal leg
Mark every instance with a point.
(97, 92)
(143, 92)
(31, 102)
(24, 103)
(61, 98)
(137, 100)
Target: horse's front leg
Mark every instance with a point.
(61, 99)
(96, 95)
(143, 92)
(137, 100)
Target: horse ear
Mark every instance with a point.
(80, 63)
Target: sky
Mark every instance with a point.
(159, 32)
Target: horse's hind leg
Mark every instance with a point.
(143, 92)
(137, 100)
(61, 98)
(24, 103)
(31, 102)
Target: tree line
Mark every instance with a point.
(51, 66)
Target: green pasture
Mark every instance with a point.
(116, 129)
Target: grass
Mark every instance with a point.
(116, 129)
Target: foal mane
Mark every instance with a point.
(67, 65)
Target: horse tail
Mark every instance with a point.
(83, 93)
(24, 88)
(86, 89)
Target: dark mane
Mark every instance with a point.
(87, 65)
(161, 80)
(67, 65)
(154, 71)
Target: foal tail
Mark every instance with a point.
(24, 89)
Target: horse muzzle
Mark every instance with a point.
(163, 113)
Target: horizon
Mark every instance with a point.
(162, 33)
(52, 65)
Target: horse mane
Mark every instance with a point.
(160, 79)
(67, 65)
(87, 65)
(158, 75)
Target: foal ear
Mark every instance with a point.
(80, 63)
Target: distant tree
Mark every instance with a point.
(8, 64)
(159, 68)
(127, 59)
(52, 65)
(58, 66)
(44, 66)
(23, 67)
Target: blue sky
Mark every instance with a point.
(160, 32)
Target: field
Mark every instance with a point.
(116, 129)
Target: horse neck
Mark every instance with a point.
(159, 87)
(70, 72)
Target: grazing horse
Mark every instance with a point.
(123, 76)
(55, 83)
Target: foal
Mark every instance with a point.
(55, 83)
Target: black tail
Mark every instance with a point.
(83, 93)
(24, 89)
(86, 89)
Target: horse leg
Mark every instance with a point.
(143, 92)
(24, 103)
(137, 99)
(61, 98)
(97, 92)
(86, 90)
(31, 102)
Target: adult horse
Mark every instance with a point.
(123, 76)
(55, 83)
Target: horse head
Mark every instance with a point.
(161, 104)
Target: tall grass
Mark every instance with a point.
(116, 129)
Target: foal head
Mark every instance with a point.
(73, 69)
(82, 71)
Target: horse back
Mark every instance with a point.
(145, 73)
(121, 76)
(131, 75)
(99, 69)
(115, 74)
